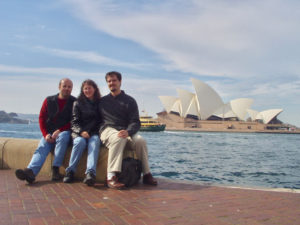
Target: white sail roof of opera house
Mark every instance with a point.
(186, 98)
(235, 108)
(177, 107)
(239, 106)
(225, 111)
(193, 108)
(268, 115)
(206, 103)
(252, 113)
(208, 99)
(168, 102)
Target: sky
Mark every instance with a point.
(242, 49)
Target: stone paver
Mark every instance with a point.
(51, 203)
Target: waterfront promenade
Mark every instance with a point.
(171, 202)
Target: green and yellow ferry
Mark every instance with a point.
(150, 124)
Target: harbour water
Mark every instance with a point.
(231, 159)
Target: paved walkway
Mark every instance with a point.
(46, 202)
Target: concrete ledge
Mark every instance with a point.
(16, 153)
(2, 143)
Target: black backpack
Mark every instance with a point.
(131, 171)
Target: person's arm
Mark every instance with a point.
(65, 127)
(43, 118)
(134, 118)
(75, 122)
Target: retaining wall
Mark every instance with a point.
(16, 153)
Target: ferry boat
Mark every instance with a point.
(150, 124)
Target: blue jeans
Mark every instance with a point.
(45, 147)
(79, 145)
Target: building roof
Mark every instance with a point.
(208, 99)
(185, 98)
(267, 115)
(168, 102)
(206, 103)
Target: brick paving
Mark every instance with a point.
(51, 203)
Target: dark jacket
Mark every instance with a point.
(55, 118)
(85, 117)
(120, 112)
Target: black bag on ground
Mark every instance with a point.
(131, 171)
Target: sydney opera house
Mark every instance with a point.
(205, 109)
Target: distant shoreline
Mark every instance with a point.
(17, 118)
(174, 122)
(233, 130)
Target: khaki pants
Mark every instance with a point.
(116, 146)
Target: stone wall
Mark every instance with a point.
(16, 153)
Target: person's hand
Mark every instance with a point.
(123, 134)
(55, 134)
(49, 138)
(85, 134)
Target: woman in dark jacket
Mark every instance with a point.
(85, 127)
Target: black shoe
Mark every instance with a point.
(90, 179)
(149, 179)
(26, 174)
(55, 173)
(69, 177)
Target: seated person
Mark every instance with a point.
(85, 126)
(121, 123)
(54, 120)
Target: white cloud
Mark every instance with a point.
(25, 95)
(215, 38)
(243, 48)
(89, 56)
(48, 71)
(21, 85)
(24, 88)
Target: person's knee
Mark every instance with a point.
(119, 140)
(95, 138)
(139, 140)
(64, 133)
(43, 143)
(64, 136)
(80, 142)
(44, 146)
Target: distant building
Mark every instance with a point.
(206, 104)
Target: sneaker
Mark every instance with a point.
(69, 177)
(26, 174)
(90, 179)
(55, 173)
